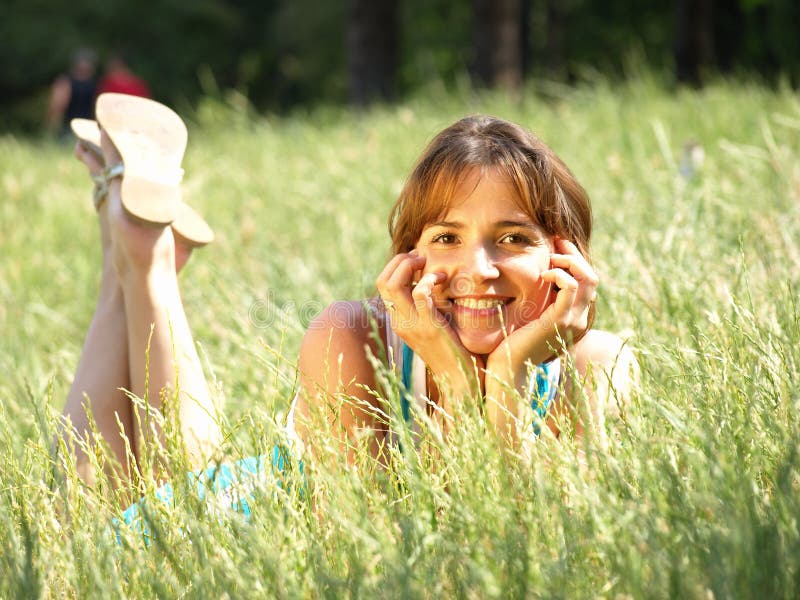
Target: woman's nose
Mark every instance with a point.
(480, 264)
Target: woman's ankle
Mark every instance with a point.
(139, 252)
(155, 282)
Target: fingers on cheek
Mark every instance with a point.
(577, 266)
(567, 246)
(435, 278)
(388, 270)
(418, 267)
(421, 293)
(427, 283)
(560, 278)
(402, 275)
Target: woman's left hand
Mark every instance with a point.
(565, 320)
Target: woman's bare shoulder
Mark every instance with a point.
(603, 348)
(607, 364)
(342, 328)
(355, 319)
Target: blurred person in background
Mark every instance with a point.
(72, 94)
(119, 78)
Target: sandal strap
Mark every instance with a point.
(99, 194)
(104, 178)
(101, 181)
(113, 172)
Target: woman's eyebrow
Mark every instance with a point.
(522, 224)
(446, 224)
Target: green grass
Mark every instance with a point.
(699, 493)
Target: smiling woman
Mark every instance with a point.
(488, 297)
(490, 257)
(489, 290)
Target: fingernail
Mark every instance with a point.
(413, 252)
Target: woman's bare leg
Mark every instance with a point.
(161, 352)
(149, 260)
(102, 371)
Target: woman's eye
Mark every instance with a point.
(444, 238)
(515, 238)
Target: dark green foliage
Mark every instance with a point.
(282, 53)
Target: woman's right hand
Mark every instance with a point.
(415, 318)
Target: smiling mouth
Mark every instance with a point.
(482, 306)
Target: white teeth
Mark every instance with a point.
(478, 303)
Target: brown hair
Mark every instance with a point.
(546, 189)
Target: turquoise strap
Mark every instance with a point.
(541, 395)
(408, 384)
(542, 391)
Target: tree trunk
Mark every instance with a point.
(728, 29)
(555, 39)
(694, 39)
(525, 39)
(497, 43)
(371, 43)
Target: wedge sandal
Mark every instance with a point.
(151, 139)
(188, 223)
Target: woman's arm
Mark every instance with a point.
(336, 379)
(605, 372)
(60, 92)
(415, 318)
(565, 319)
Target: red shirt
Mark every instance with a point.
(123, 83)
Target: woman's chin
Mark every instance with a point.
(480, 343)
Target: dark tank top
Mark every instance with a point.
(81, 100)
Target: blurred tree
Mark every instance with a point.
(694, 39)
(497, 43)
(372, 50)
(555, 37)
(285, 53)
(435, 40)
(721, 35)
(727, 31)
(303, 54)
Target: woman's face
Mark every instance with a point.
(493, 254)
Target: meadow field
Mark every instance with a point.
(698, 493)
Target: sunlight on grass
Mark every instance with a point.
(697, 239)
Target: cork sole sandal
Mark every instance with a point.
(151, 139)
(188, 223)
